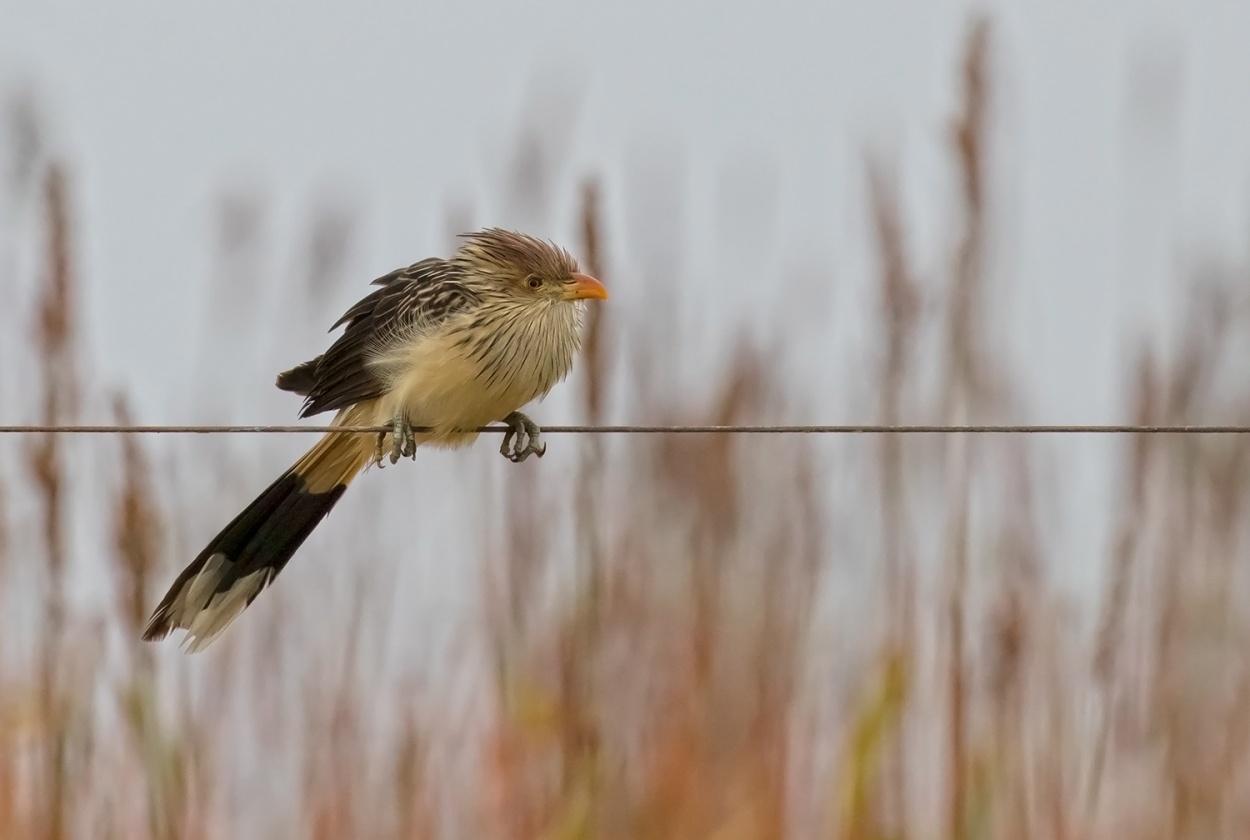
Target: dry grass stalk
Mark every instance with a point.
(54, 345)
(963, 391)
(138, 528)
(899, 295)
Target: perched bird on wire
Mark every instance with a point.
(445, 345)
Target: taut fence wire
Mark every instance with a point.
(850, 429)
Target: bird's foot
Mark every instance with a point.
(403, 441)
(521, 439)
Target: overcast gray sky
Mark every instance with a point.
(402, 105)
(1122, 147)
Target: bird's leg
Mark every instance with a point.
(403, 441)
(526, 433)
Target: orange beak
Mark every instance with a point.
(583, 287)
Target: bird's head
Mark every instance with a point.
(524, 268)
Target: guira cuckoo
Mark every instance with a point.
(444, 345)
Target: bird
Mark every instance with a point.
(440, 349)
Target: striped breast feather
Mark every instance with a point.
(410, 301)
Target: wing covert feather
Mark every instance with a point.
(410, 301)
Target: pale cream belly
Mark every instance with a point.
(439, 386)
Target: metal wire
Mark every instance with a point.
(852, 429)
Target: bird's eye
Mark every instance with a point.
(535, 281)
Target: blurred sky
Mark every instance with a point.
(1123, 144)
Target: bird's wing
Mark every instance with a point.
(410, 301)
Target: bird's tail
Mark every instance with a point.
(249, 552)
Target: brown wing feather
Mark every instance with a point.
(417, 297)
(299, 379)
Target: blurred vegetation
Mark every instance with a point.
(669, 657)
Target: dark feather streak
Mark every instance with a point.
(423, 294)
